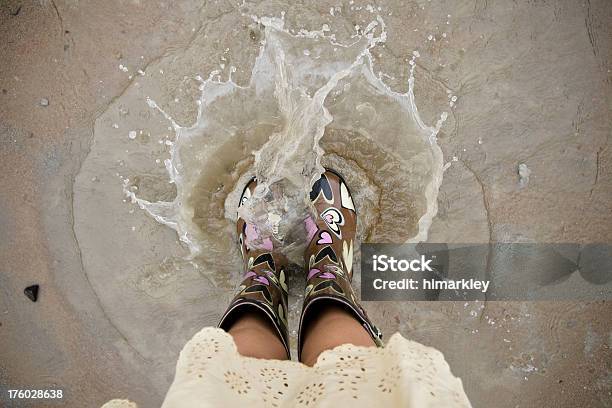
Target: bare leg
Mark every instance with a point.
(255, 336)
(331, 326)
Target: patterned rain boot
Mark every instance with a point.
(263, 287)
(329, 255)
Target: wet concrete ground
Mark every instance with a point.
(532, 82)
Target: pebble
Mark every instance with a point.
(31, 292)
(524, 173)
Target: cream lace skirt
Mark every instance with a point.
(211, 373)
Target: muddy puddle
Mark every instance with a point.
(155, 200)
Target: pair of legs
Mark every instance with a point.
(331, 315)
(255, 337)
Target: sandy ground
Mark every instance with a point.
(533, 86)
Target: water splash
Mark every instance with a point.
(311, 102)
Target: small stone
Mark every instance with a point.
(44, 102)
(31, 292)
(524, 172)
